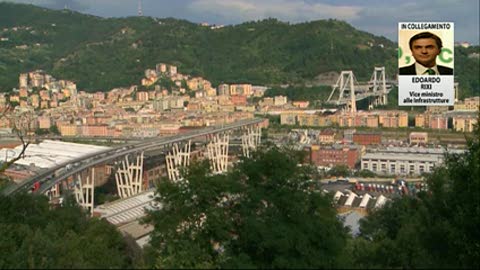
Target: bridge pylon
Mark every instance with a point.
(178, 157)
(251, 139)
(84, 188)
(346, 88)
(54, 192)
(129, 176)
(378, 85)
(217, 152)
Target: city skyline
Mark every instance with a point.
(374, 16)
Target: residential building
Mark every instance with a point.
(223, 89)
(279, 100)
(44, 122)
(301, 104)
(162, 68)
(421, 120)
(464, 123)
(334, 155)
(99, 96)
(438, 122)
(367, 138)
(238, 100)
(393, 119)
(142, 96)
(23, 80)
(172, 70)
(23, 92)
(348, 135)
(418, 138)
(288, 119)
(241, 89)
(326, 136)
(68, 129)
(469, 104)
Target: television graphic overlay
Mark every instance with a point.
(425, 64)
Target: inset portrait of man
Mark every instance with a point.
(425, 48)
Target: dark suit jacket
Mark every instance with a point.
(410, 70)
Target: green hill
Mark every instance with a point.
(100, 54)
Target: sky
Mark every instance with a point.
(379, 17)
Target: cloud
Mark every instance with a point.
(70, 4)
(384, 17)
(236, 11)
(77, 5)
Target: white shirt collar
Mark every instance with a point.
(422, 70)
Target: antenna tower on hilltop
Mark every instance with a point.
(140, 12)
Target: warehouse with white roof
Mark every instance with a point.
(49, 153)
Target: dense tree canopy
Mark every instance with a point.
(35, 236)
(436, 229)
(259, 215)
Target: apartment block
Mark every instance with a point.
(99, 96)
(279, 100)
(238, 100)
(172, 70)
(326, 136)
(469, 104)
(223, 89)
(334, 155)
(161, 68)
(421, 120)
(23, 80)
(438, 122)
(288, 119)
(95, 131)
(314, 120)
(393, 119)
(241, 89)
(142, 96)
(464, 123)
(367, 138)
(68, 129)
(44, 122)
(23, 92)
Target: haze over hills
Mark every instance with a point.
(100, 54)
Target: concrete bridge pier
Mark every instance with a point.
(84, 188)
(129, 176)
(217, 152)
(251, 139)
(177, 158)
(54, 192)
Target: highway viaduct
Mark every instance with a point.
(49, 178)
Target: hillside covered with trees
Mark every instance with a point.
(100, 54)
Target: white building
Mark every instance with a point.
(48, 153)
(404, 160)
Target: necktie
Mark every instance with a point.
(430, 71)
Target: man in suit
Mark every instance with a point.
(425, 48)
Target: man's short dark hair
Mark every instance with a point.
(426, 35)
